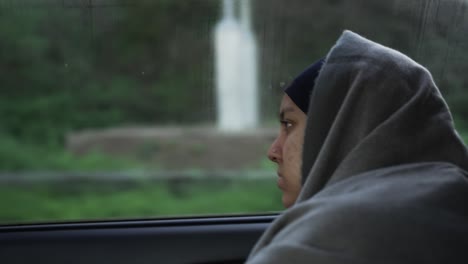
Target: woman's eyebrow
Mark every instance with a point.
(285, 110)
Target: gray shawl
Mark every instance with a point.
(384, 176)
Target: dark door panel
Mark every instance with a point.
(196, 240)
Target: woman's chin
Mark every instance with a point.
(286, 200)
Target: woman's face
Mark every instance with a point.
(286, 150)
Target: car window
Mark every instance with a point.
(114, 109)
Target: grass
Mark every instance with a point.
(51, 203)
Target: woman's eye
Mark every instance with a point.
(286, 125)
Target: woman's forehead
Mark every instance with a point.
(288, 106)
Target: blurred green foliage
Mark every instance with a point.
(19, 156)
(67, 67)
(45, 203)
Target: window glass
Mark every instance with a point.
(114, 109)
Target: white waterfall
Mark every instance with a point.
(236, 69)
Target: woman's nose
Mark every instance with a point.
(274, 152)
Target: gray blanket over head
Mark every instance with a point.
(384, 171)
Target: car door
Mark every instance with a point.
(192, 240)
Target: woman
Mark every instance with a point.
(383, 170)
(286, 150)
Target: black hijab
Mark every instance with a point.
(300, 89)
